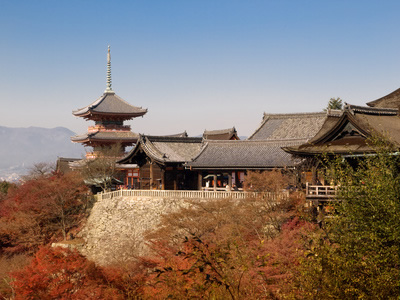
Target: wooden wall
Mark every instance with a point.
(150, 176)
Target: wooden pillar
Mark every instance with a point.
(151, 176)
(215, 182)
(230, 180)
(175, 179)
(199, 180)
(162, 179)
(314, 175)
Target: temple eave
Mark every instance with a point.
(91, 142)
(90, 115)
(318, 151)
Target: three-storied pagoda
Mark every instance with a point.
(109, 113)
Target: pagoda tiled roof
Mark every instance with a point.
(245, 154)
(110, 104)
(221, 134)
(166, 149)
(349, 132)
(106, 136)
(289, 126)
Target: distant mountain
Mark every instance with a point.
(23, 147)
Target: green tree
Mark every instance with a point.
(5, 187)
(334, 103)
(356, 255)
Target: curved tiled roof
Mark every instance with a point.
(380, 111)
(349, 133)
(289, 126)
(166, 149)
(182, 134)
(110, 104)
(256, 154)
(391, 100)
(125, 136)
(221, 134)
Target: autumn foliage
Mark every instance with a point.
(245, 268)
(57, 273)
(262, 247)
(40, 210)
(229, 249)
(267, 181)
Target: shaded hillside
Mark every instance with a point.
(22, 147)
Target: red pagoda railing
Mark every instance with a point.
(109, 128)
(93, 155)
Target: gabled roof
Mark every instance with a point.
(256, 154)
(103, 136)
(391, 100)
(290, 126)
(110, 104)
(164, 149)
(182, 134)
(221, 134)
(349, 133)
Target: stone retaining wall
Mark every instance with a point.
(115, 228)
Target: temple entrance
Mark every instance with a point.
(221, 181)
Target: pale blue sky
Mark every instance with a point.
(194, 64)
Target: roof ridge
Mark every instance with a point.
(255, 141)
(231, 129)
(172, 138)
(91, 105)
(151, 150)
(374, 102)
(371, 110)
(288, 115)
(264, 119)
(201, 151)
(119, 98)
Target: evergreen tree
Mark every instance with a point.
(334, 103)
(356, 255)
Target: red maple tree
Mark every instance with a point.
(40, 210)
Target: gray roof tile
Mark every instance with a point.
(167, 149)
(221, 134)
(245, 154)
(110, 103)
(289, 126)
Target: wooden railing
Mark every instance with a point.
(172, 194)
(107, 128)
(321, 191)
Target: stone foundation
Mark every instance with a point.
(114, 232)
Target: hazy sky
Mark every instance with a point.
(194, 64)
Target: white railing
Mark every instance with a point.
(223, 189)
(321, 191)
(172, 194)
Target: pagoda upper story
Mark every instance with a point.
(109, 113)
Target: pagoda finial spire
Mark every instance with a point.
(109, 89)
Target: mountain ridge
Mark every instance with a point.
(21, 147)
